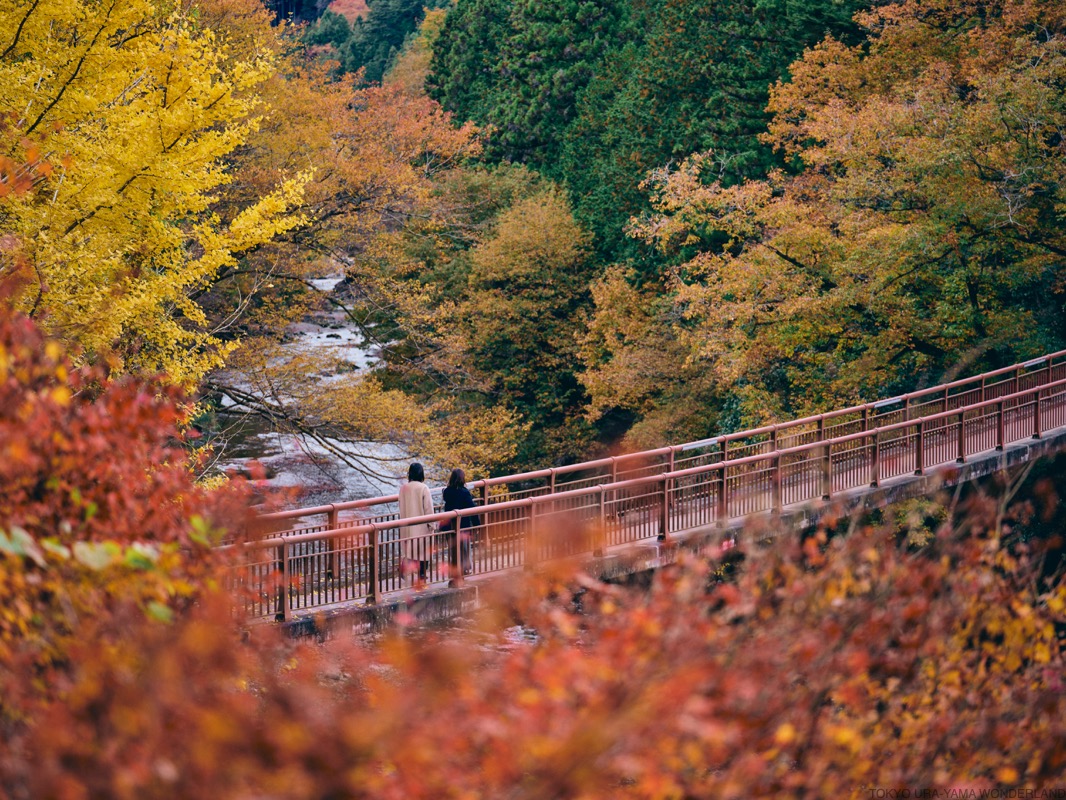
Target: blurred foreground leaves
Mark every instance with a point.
(826, 666)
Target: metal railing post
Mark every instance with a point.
(551, 481)
(722, 512)
(664, 510)
(775, 473)
(875, 459)
(375, 566)
(600, 547)
(284, 601)
(531, 537)
(1001, 425)
(331, 544)
(827, 462)
(962, 437)
(919, 455)
(1038, 428)
(775, 488)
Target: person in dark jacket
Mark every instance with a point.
(456, 496)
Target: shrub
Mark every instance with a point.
(823, 667)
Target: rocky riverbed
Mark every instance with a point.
(306, 471)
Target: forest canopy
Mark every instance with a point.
(919, 232)
(737, 212)
(567, 229)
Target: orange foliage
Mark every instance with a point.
(825, 668)
(98, 510)
(372, 152)
(352, 9)
(19, 176)
(58, 430)
(921, 235)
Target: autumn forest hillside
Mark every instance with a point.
(789, 206)
(744, 212)
(698, 219)
(561, 229)
(565, 229)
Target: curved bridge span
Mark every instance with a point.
(309, 560)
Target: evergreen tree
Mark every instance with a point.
(330, 28)
(598, 93)
(520, 65)
(699, 81)
(378, 37)
(464, 71)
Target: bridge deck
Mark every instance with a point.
(612, 504)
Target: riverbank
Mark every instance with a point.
(300, 469)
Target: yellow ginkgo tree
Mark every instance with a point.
(131, 107)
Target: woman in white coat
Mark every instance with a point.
(415, 501)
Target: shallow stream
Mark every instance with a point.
(289, 461)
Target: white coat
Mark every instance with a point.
(415, 501)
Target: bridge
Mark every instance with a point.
(307, 561)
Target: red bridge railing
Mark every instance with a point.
(314, 558)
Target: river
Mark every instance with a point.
(304, 470)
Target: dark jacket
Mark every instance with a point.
(455, 499)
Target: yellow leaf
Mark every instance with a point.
(61, 395)
(1007, 775)
(785, 734)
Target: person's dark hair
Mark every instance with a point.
(457, 479)
(416, 473)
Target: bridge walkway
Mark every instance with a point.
(321, 558)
